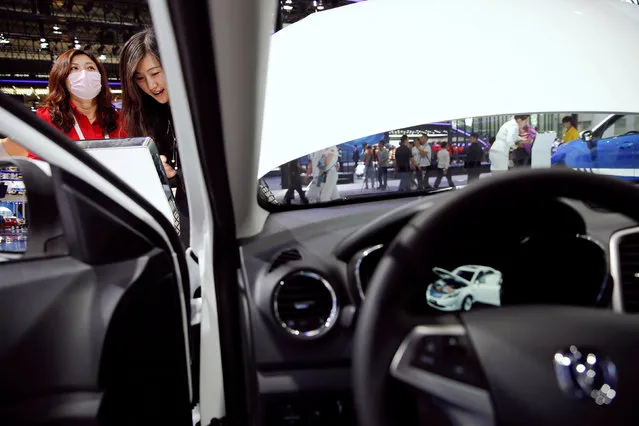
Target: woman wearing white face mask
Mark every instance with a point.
(79, 100)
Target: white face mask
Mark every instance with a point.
(85, 84)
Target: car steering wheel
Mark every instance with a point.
(524, 365)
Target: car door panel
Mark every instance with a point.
(617, 156)
(96, 335)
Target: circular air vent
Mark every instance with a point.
(305, 305)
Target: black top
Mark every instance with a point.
(403, 154)
(474, 155)
(292, 168)
(166, 142)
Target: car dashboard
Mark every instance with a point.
(308, 272)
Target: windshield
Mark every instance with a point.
(424, 158)
(467, 275)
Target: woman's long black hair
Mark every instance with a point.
(143, 115)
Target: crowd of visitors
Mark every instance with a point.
(415, 162)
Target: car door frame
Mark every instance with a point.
(228, 380)
(48, 143)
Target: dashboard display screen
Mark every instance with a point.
(464, 287)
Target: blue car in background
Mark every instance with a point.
(611, 148)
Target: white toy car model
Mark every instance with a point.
(459, 289)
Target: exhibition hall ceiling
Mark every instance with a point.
(34, 32)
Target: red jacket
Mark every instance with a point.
(89, 130)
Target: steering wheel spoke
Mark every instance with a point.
(440, 361)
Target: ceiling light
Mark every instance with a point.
(56, 27)
(102, 57)
(3, 39)
(43, 40)
(320, 6)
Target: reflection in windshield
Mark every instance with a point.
(464, 288)
(457, 153)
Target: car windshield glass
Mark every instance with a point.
(422, 158)
(467, 275)
(448, 154)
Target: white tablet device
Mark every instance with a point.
(137, 162)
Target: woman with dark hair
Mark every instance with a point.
(145, 106)
(79, 99)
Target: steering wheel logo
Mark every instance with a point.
(584, 374)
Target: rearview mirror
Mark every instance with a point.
(29, 219)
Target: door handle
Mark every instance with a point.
(626, 146)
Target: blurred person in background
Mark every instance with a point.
(368, 167)
(507, 140)
(328, 175)
(415, 168)
(424, 153)
(443, 166)
(146, 111)
(313, 170)
(521, 155)
(383, 157)
(571, 132)
(404, 163)
(293, 169)
(79, 103)
(474, 156)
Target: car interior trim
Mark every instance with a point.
(358, 259)
(604, 283)
(467, 397)
(304, 380)
(615, 267)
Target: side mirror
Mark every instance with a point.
(30, 225)
(588, 137)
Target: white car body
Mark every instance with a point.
(460, 289)
(16, 187)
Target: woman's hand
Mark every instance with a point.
(170, 171)
(13, 148)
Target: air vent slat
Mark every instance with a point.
(305, 305)
(628, 268)
(285, 257)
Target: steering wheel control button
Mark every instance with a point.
(449, 356)
(583, 374)
(427, 353)
(459, 362)
(439, 360)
